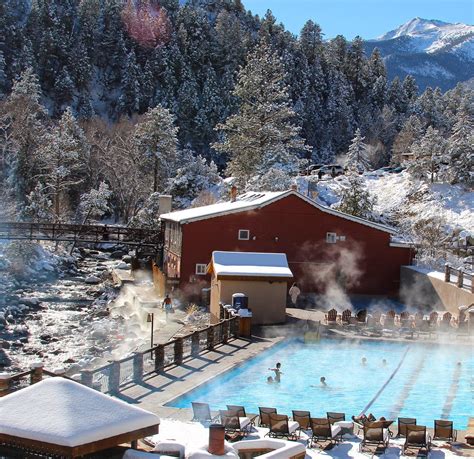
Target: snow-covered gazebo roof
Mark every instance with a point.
(250, 265)
(62, 415)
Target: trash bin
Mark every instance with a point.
(245, 323)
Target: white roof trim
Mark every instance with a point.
(180, 215)
(403, 245)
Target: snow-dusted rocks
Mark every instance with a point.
(92, 280)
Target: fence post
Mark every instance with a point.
(86, 378)
(210, 338)
(195, 343)
(4, 384)
(235, 323)
(472, 283)
(159, 358)
(447, 272)
(137, 367)
(36, 372)
(460, 277)
(114, 377)
(178, 351)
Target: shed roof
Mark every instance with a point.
(256, 200)
(66, 413)
(250, 264)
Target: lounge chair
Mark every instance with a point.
(433, 319)
(446, 321)
(444, 430)
(322, 430)
(389, 321)
(233, 423)
(376, 434)
(346, 316)
(331, 316)
(418, 320)
(405, 319)
(281, 427)
(303, 418)
(264, 420)
(202, 413)
(347, 427)
(402, 426)
(241, 412)
(335, 417)
(416, 438)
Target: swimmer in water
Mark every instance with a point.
(323, 381)
(277, 371)
(364, 361)
(384, 362)
(269, 380)
(459, 364)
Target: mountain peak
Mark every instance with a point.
(416, 26)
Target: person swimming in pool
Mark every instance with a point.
(270, 380)
(277, 371)
(384, 362)
(323, 381)
(364, 361)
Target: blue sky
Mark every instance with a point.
(368, 18)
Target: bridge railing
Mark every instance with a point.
(112, 377)
(459, 276)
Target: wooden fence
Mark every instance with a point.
(461, 278)
(112, 377)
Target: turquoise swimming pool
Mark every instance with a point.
(418, 380)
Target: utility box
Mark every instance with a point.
(240, 301)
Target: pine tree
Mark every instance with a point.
(411, 132)
(262, 134)
(3, 76)
(95, 203)
(356, 200)
(39, 206)
(428, 155)
(156, 140)
(63, 156)
(129, 100)
(357, 159)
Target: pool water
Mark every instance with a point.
(423, 381)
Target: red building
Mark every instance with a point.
(325, 248)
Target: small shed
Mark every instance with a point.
(263, 277)
(60, 417)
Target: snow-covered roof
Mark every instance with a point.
(250, 264)
(256, 200)
(66, 413)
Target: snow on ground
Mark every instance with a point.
(194, 435)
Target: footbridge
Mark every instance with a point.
(143, 240)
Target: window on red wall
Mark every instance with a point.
(244, 234)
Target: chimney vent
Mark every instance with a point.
(294, 187)
(233, 193)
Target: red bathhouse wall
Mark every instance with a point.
(370, 265)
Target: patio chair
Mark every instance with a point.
(202, 413)
(346, 316)
(402, 426)
(322, 431)
(433, 319)
(241, 412)
(416, 438)
(418, 319)
(375, 434)
(281, 427)
(303, 418)
(339, 419)
(335, 417)
(405, 319)
(444, 430)
(264, 419)
(233, 423)
(331, 316)
(389, 321)
(446, 321)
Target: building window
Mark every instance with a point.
(342, 238)
(331, 238)
(244, 235)
(201, 269)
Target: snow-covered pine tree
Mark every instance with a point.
(356, 199)
(3, 75)
(95, 203)
(39, 206)
(262, 134)
(461, 147)
(194, 176)
(411, 131)
(357, 159)
(63, 156)
(156, 140)
(129, 100)
(428, 155)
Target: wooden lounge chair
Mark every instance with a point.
(402, 426)
(433, 319)
(416, 438)
(444, 430)
(331, 316)
(389, 321)
(446, 321)
(233, 423)
(281, 427)
(241, 412)
(264, 419)
(418, 320)
(375, 434)
(335, 417)
(202, 413)
(303, 418)
(346, 316)
(323, 431)
(405, 319)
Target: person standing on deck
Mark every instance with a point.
(294, 293)
(167, 305)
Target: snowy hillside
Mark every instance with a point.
(437, 53)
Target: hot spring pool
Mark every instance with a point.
(423, 381)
